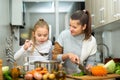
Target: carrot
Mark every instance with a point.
(43, 72)
(38, 69)
(98, 71)
(45, 69)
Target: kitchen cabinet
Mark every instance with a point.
(16, 12)
(100, 14)
(91, 9)
(113, 10)
(97, 10)
(103, 11)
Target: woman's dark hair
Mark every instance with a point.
(84, 19)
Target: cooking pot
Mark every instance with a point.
(50, 65)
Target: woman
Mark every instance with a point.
(76, 45)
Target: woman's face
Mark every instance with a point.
(41, 34)
(76, 28)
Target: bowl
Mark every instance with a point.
(50, 65)
(115, 59)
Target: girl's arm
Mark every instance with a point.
(25, 47)
(19, 53)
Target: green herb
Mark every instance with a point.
(78, 74)
(117, 71)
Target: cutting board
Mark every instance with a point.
(87, 77)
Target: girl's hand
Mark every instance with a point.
(27, 44)
(74, 58)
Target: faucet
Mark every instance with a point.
(103, 55)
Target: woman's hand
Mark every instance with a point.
(27, 44)
(89, 66)
(74, 58)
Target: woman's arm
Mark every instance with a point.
(57, 54)
(92, 58)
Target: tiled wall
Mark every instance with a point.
(4, 27)
(112, 40)
(116, 43)
(4, 33)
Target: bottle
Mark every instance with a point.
(15, 72)
(61, 75)
(1, 74)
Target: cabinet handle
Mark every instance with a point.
(102, 15)
(115, 8)
(93, 18)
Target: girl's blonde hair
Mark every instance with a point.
(40, 23)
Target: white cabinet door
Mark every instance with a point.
(17, 11)
(118, 9)
(113, 10)
(89, 6)
(93, 13)
(97, 10)
(100, 12)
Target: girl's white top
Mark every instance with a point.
(46, 47)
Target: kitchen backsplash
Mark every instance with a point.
(4, 33)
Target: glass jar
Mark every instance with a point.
(61, 75)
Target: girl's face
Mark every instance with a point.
(41, 34)
(76, 28)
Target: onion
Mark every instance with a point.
(28, 76)
(37, 76)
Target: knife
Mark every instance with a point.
(82, 68)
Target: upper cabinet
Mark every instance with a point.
(113, 10)
(103, 11)
(91, 9)
(16, 12)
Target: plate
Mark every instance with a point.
(87, 77)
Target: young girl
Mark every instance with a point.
(39, 47)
